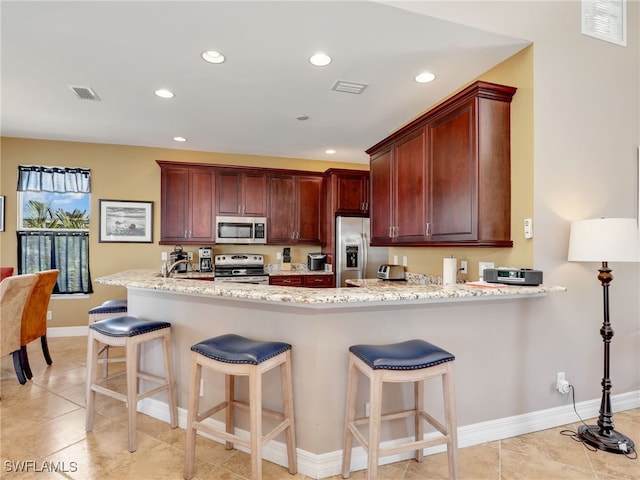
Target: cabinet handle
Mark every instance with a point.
(428, 230)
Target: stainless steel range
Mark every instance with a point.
(240, 268)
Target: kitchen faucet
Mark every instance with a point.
(166, 270)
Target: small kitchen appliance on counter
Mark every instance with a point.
(391, 272)
(205, 259)
(316, 261)
(177, 255)
(240, 268)
(513, 276)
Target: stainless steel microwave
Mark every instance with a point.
(241, 230)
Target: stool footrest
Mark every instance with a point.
(413, 446)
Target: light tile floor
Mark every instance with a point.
(42, 422)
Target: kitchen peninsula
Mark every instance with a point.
(321, 324)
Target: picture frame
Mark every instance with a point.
(2, 213)
(126, 221)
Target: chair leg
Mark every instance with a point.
(168, 366)
(229, 388)
(132, 392)
(45, 349)
(92, 378)
(375, 414)
(451, 423)
(255, 423)
(24, 359)
(352, 392)
(17, 365)
(287, 400)
(192, 415)
(419, 423)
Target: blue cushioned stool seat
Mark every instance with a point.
(127, 326)
(110, 306)
(410, 355)
(235, 356)
(236, 349)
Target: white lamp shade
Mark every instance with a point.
(604, 240)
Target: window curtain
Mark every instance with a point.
(53, 179)
(65, 251)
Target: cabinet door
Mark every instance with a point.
(286, 280)
(453, 177)
(174, 214)
(318, 281)
(281, 209)
(255, 194)
(241, 193)
(409, 175)
(380, 209)
(352, 193)
(202, 189)
(229, 192)
(308, 196)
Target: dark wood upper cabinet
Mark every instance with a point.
(242, 193)
(445, 178)
(187, 204)
(348, 191)
(294, 209)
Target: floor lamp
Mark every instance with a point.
(605, 240)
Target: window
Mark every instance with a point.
(53, 224)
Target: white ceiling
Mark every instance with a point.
(249, 104)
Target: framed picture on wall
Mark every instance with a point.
(1, 213)
(126, 221)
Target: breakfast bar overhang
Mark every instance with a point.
(485, 328)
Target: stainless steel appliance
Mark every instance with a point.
(205, 259)
(316, 261)
(240, 268)
(178, 255)
(513, 276)
(355, 258)
(241, 230)
(391, 272)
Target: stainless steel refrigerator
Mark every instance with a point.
(355, 258)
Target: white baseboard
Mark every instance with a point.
(329, 464)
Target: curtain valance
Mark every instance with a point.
(53, 179)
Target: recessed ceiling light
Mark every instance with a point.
(180, 139)
(302, 118)
(164, 93)
(425, 77)
(320, 60)
(212, 56)
(330, 151)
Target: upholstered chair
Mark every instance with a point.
(34, 317)
(14, 292)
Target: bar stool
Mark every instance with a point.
(108, 309)
(412, 361)
(129, 332)
(233, 355)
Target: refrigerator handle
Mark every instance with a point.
(365, 255)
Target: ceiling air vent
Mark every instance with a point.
(349, 87)
(606, 20)
(85, 93)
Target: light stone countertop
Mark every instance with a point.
(371, 292)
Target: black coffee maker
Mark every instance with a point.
(177, 255)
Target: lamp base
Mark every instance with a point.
(611, 441)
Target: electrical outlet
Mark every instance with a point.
(395, 259)
(190, 256)
(404, 261)
(163, 256)
(49, 315)
(481, 268)
(528, 228)
(463, 267)
(562, 384)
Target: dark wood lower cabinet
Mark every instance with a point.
(310, 281)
